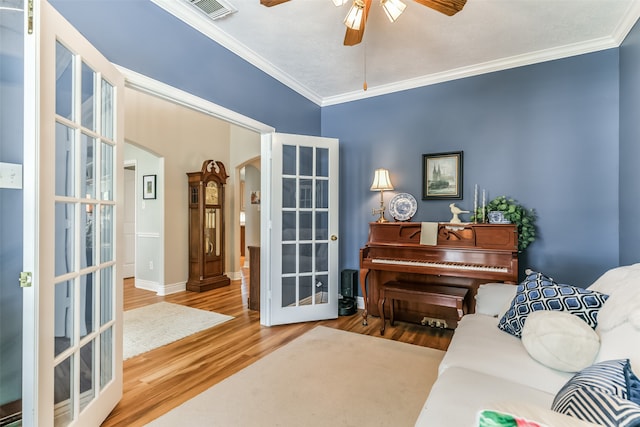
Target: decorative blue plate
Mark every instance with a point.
(403, 207)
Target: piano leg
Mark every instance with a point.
(381, 302)
(363, 288)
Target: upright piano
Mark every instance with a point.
(465, 255)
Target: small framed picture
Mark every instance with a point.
(149, 187)
(442, 176)
(255, 197)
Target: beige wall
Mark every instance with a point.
(184, 138)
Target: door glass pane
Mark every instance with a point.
(87, 170)
(322, 256)
(288, 291)
(288, 226)
(322, 162)
(87, 390)
(87, 236)
(63, 321)
(289, 159)
(65, 176)
(306, 290)
(106, 233)
(306, 193)
(64, 240)
(87, 106)
(306, 161)
(106, 357)
(288, 258)
(322, 194)
(106, 295)
(106, 176)
(107, 110)
(64, 82)
(62, 392)
(87, 304)
(306, 222)
(322, 289)
(306, 258)
(322, 225)
(289, 193)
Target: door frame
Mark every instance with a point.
(161, 90)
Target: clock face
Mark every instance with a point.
(211, 194)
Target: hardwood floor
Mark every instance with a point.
(161, 379)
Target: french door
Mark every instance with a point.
(302, 256)
(73, 191)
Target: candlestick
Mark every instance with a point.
(483, 204)
(475, 204)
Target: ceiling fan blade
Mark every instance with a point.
(353, 37)
(270, 3)
(448, 7)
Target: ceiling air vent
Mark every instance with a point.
(214, 9)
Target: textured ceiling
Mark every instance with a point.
(300, 42)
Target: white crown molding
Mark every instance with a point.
(197, 21)
(194, 19)
(478, 69)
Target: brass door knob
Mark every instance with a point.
(334, 237)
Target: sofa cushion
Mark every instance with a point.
(612, 279)
(560, 340)
(478, 345)
(459, 394)
(599, 394)
(539, 292)
(493, 299)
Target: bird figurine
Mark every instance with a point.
(456, 211)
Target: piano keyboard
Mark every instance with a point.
(451, 265)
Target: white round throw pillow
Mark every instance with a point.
(560, 340)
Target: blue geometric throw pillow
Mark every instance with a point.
(539, 292)
(599, 394)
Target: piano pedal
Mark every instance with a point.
(434, 323)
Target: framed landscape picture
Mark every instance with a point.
(442, 176)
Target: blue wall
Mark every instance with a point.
(630, 148)
(150, 41)
(545, 134)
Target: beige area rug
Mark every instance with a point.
(326, 377)
(155, 325)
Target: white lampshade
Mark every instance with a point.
(393, 8)
(381, 181)
(355, 16)
(340, 2)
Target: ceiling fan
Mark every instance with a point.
(357, 16)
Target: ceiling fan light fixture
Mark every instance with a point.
(339, 3)
(393, 8)
(355, 16)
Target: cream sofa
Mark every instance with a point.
(487, 368)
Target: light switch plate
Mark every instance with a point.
(10, 175)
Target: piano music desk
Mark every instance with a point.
(444, 296)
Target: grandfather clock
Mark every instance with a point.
(206, 227)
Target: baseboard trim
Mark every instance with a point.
(235, 275)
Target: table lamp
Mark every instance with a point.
(380, 183)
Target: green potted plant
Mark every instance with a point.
(515, 213)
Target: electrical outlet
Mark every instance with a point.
(150, 265)
(10, 175)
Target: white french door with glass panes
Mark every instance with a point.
(302, 260)
(73, 149)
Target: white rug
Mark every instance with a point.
(155, 325)
(326, 377)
